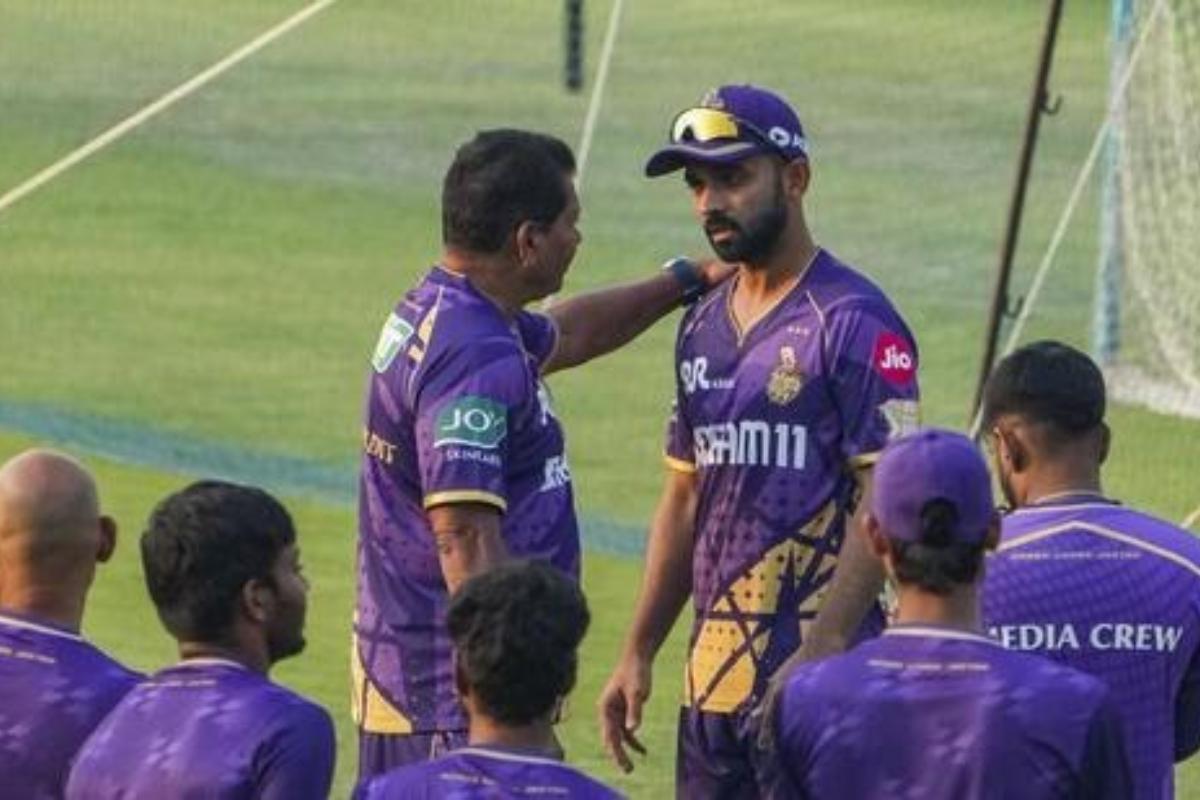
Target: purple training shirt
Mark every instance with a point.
(1115, 593)
(938, 714)
(456, 412)
(54, 690)
(773, 422)
(485, 773)
(208, 728)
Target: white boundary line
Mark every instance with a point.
(593, 111)
(1064, 219)
(167, 100)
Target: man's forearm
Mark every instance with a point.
(599, 322)
(855, 587)
(667, 582)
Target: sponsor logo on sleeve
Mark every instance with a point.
(391, 339)
(894, 359)
(472, 421)
(902, 416)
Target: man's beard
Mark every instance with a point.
(753, 242)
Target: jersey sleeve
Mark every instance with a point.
(462, 420)
(297, 763)
(1104, 769)
(872, 363)
(539, 335)
(1187, 711)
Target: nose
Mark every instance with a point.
(708, 201)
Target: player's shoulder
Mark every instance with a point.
(705, 312)
(1044, 680)
(1111, 523)
(835, 287)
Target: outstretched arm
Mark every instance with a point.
(599, 322)
(855, 586)
(666, 585)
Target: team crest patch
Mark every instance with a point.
(786, 379)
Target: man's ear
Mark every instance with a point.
(1012, 449)
(796, 177)
(257, 600)
(879, 544)
(108, 538)
(526, 238)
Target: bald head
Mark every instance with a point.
(51, 535)
(46, 499)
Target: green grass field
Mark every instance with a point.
(204, 293)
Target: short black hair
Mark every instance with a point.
(937, 562)
(516, 629)
(200, 548)
(500, 179)
(1050, 383)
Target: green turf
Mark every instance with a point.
(222, 272)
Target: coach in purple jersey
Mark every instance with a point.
(789, 379)
(1082, 579)
(516, 632)
(464, 461)
(55, 687)
(933, 708)
(223, 569)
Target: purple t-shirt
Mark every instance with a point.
(1115, 593)
(772, 422)
(208, 728)
(484, 773)
(54, 690)
(931, 713)
(456, 412)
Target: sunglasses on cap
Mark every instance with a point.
(711, 124)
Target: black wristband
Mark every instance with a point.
(687, 274)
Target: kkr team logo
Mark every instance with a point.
(393, 336)
(786, 379)
(472, 421)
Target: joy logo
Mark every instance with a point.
(473, 421)
(694, 374)
(893, 359)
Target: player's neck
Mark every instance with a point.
(42, 603)
(1061, 480)
(958, 610)
(537, 737)
(253, 658)
(491, 277)
(787, 263)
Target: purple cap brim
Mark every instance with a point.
(678, 156)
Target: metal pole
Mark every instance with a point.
(1038, 105)
(574, 49)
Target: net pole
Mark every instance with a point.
(573, 68)
(1037, 107)
(1106, 314)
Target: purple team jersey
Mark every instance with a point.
(937, 714)
(484, 773)
(208, 728)
(54, 690)
(773, 422)
(1115, 593)
(456, 412)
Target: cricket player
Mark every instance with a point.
(1082, 579)
(933, 709)
(516, 631)
(464, 462)
(223, 570)
(55, 686)
(790, 378)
